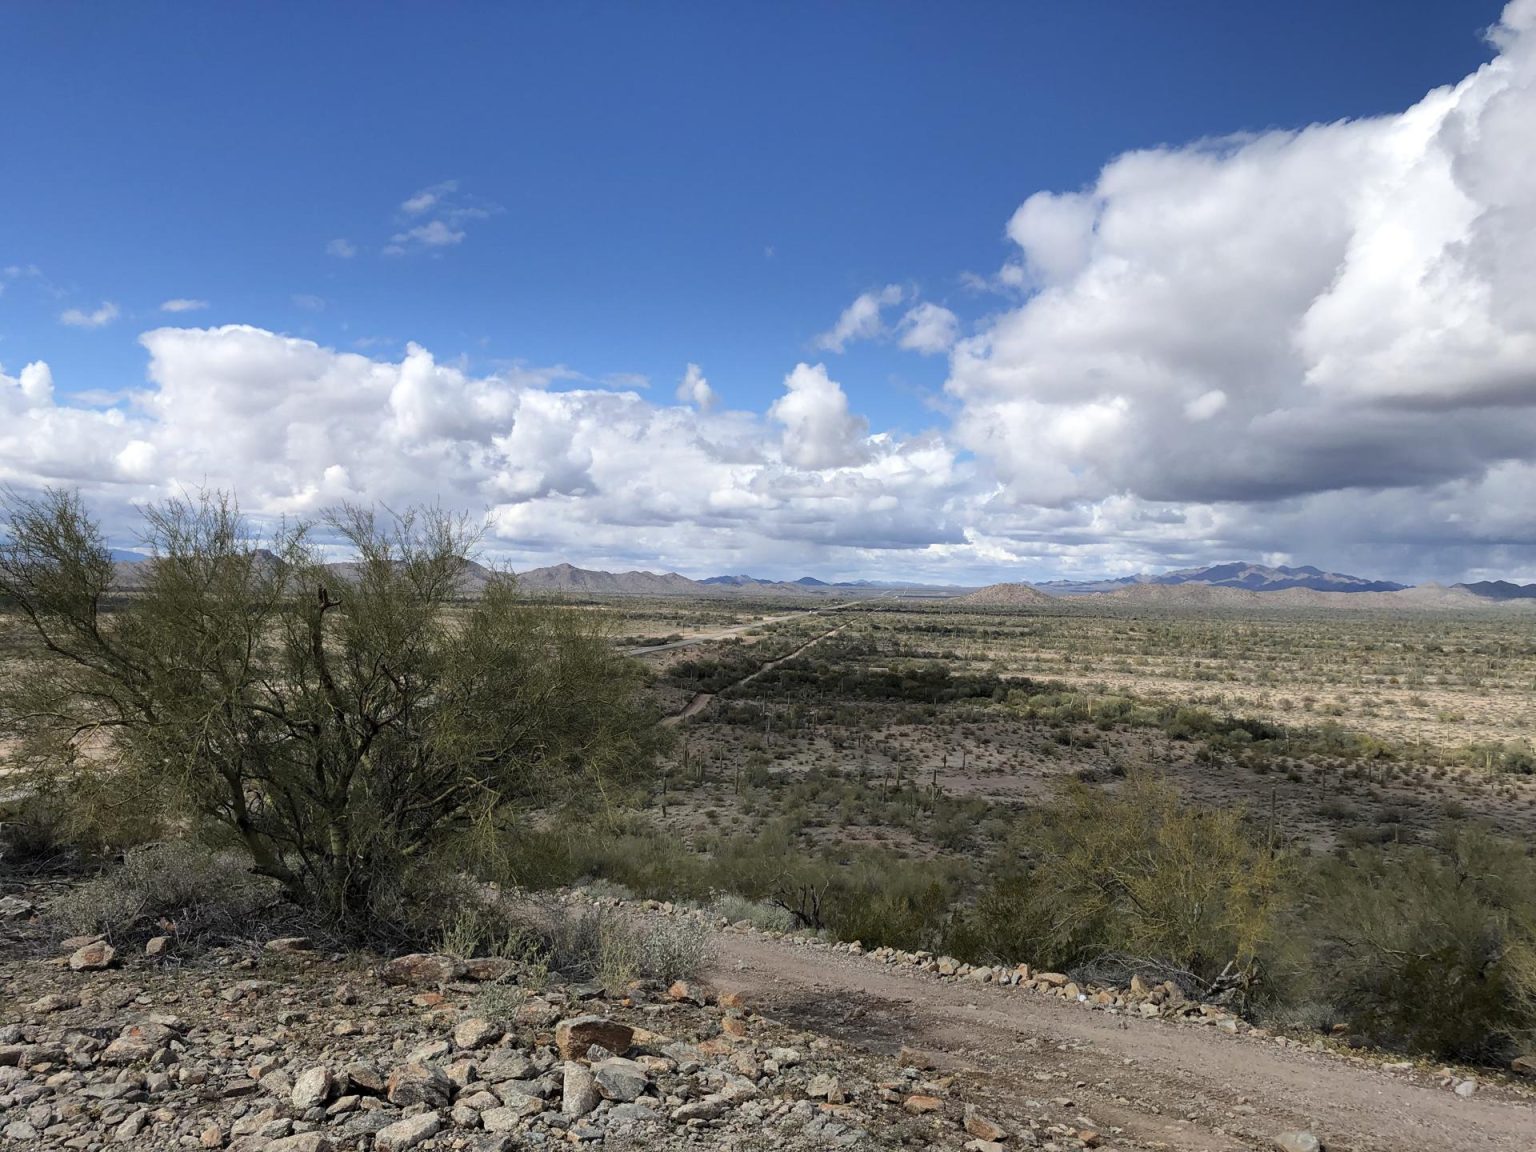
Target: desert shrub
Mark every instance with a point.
(338, 725)
(614, 948)
(1139, 873)
(176, 886)
(79, 819)
(760, 914)
(34, 837)
(1431, 949)
(1009, 922)
(907, 907)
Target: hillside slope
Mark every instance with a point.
(1006, 596)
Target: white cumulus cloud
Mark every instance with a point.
(585, 474)
(861, 319)
(1345, 307)
(694, 389)
(819, 430)
(183, 304)
(929, 329)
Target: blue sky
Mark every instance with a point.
(602, 193)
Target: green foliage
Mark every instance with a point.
(343, 728)
(1431, 949)
(1137, 871)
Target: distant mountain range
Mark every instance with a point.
(1500, 590)
(1252, 577)
(1217, 584)
(569, 580)
(811, 582)
(566, 578)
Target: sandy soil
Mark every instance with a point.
(1185, 1086)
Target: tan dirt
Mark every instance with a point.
(1184, 1086)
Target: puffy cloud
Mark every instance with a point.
(183, 304)
(929, 329)
(819, 431)
(861, 319)
(926, 328)
(341, 248)
(98, 318)
(694, 389)
(1350, 307)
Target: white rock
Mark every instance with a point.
(312, 1088)
(407, 1133)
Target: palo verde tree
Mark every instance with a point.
(342, 723)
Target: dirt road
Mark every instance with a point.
(702, 699)
(1162, 1084)
(735, 630)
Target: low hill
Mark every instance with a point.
(568, 578)
(1006, 596)
(740, 581)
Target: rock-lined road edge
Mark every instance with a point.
(1185, 1085)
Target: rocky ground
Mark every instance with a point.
(282, 1047)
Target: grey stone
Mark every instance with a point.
(579, 1095)
(312, 1089)
(620, 1079)
(407, 1133)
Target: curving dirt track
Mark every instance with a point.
(1161, 1084)
(701, 700)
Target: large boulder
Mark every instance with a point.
(620, 1079)
(475, 1033)
(406, 1134)
(311, 1089)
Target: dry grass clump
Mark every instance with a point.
(171, 887)
(614, 949)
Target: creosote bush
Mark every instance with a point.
(346, 727)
